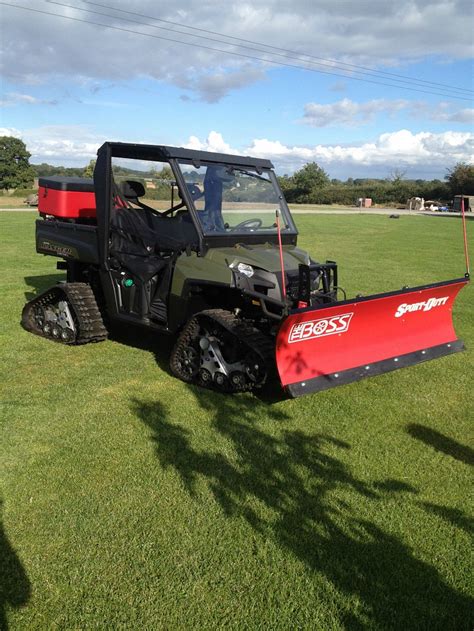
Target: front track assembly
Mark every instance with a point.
(218, 350)
(67, 313)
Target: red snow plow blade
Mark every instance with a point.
(322, 347)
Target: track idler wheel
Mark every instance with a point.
(238, 380)
(221, 380)
(205, 377)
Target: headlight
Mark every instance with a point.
(246, 270)
(243, 268)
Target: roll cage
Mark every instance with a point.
(104, 190)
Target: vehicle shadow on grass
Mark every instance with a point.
(138, 337)
(38, 284)
(161, 346)
(149, 341)
(15, 588)
(441, 443)
(292, 486)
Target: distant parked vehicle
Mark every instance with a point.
(434, 205)
(32, 200)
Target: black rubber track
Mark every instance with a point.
(82, 303)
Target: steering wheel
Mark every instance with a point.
(248, 224)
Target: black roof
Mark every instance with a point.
(164, 153)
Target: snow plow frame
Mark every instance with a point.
(380, 339)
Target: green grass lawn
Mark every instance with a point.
(131, 500)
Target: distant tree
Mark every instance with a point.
(165, 174)
(43, 169)
(311, 185)
(461, 179)
(15, 169)
(310, 176)
(305, 185)
(47, 170)
(397, 175)
(89, 170)
(285, 181)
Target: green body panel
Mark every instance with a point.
(214, 266)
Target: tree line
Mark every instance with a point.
(312, 185)
(309, 185)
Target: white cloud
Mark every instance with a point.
(424, 148)
(15, 98)
(426, 153)
(214, 86)
(445, 113)
(72, 145)
(38, 47)
(214, 142)
(462, 116)
(349, 113)
(10, 131)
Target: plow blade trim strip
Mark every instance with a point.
(322, 347)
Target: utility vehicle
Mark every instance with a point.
(219, 269)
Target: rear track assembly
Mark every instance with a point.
(66, 313)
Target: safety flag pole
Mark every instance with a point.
(283, 283)
(466, 250)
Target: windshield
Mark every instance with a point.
(234, 200)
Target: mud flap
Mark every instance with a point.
(322, 347)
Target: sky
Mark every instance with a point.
(366, 88)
